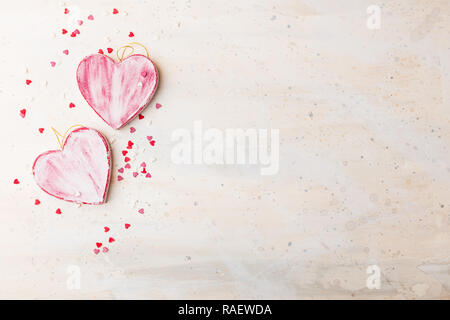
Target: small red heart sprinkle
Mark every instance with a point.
(109, 50)
(158, 106)
(127, 166)
(23, 112)
(16, 181)
(37, 202)
(127, 225)
(76, 31)
(71, 105)
(80, 22)
(41, 130)
(148, 175)
(106, 229)
(135, 174)
(143, 164)
(98, 244)
(130, 143)
(66, 11)
(141, 211)
(64, 31)
(131, 34)
(28, 82)
(132, 130)
(149, 138)
(90, 17)
(105, 249)
(52, 63)
(152, 142)
(124, 152)
(141, 117)
(100, 51)
(115, 11)
(58, 211)
(73, 34)
(127, 159)
(66, 52)
(111, 240)
(119, 178)
(129, 147)
(120, 170)
(144, 171)
(96, 251)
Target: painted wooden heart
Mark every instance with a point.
(80, 172)
(117, 91)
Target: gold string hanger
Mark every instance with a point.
(130, 46)
(61, 138)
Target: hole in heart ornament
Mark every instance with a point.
(80, 172)
(117, 91)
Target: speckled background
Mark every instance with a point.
(364, 175)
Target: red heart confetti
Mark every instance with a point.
(71, 105)
(152, 142)
(148, 175)
(37, 202)
(105, 249)
(141, 117)
(158, 105)
(124, 152)
(90, 17)
(143, 164)
(141, 211)
(149, 138)
(73, 34)
(111, 240)
(58, 211)
(132, 130)
(106, 229)
(144, 171)
(41, 130)
(127, 159)
(120, 170)
(135, 174)
(66, 52)
(119, 178)
(96, 251)
(98, 244)
(115, 11)
(109, 50)
(131, 34)
(23, 112)
(64, 31)
(127, 166)
(127, 225)
(76, 31)
(28, 82)
(16, 181)
(52, 63)
(100, 51)
(66, 11)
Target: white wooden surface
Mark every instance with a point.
(364, 174)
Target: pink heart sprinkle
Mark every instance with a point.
(96, 251)
(158, 106)
(127, 166)
(120, 170)
(135, 174)
(105, 249)
(148, 175)
(132, 130)
(76, 31)
(66, 52)
(119, 178)
(90, 17)
(141, 211)
(23, 112)
(80, 22)
(143, 165)
(149, 138)
(52, 63)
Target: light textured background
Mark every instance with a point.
(364, 157)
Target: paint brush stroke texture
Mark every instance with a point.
(117, 91)
(80, 172)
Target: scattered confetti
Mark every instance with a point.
(100, 51)
(127, 225)
(96, 251)
(22, 113)
(135, 174)
(58, 211)
(80, 22)
(64, 31)
(105, 249)
(148, 175)
(143, 171)
(124, 152)
(141, 117)
(28, 82)
(98, 244)
(66, 52)
(127, 159)
(37, 202)
(52, 63)
(90, 17)
(120, 170)
(73, 34)
(158, 105)
(106, 229)
(119, 178)
(127, 166)
(132, 130)
(152, 143)
(109, 50)
(16, 181)
(76, 31)
(71, 105)
(131, 34)
(149, 138)
(41, 130)
(115, 11)
(111, 240)
(143, 164)
(66, 11)
(141, 211)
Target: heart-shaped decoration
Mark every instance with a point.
(117, 91)
(80, 172)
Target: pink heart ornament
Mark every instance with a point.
(117, 91)
(80, 172)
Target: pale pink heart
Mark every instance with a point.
(117, 91)
(80, 172)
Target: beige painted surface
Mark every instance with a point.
(364, 176)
